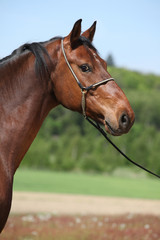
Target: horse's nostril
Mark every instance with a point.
(124, 121)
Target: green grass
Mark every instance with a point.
(88, 184)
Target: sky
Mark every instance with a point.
(127, 29)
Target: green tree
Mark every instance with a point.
(110, 60)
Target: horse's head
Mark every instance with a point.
(102, 101)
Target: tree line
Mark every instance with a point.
(66, 141)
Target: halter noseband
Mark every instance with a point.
(84, 90)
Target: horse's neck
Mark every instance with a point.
(21, 117)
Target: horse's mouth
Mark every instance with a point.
(111, 130)
(107, 125)
(115, 132)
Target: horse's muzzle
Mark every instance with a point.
(124, 124)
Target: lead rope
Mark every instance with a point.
(84, 90)
(97, 126)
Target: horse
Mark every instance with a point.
(36, 78)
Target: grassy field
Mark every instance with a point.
(88, 184)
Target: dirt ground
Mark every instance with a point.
(25, 202)
(41, 216)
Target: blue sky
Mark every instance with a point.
(128, 29)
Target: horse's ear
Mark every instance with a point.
(89, 33)
(75, 33)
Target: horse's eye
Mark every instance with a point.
(85, 68)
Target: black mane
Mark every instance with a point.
(43, 63)
(33, 47)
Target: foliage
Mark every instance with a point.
(67, 142)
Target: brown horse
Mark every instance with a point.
(36, 78)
